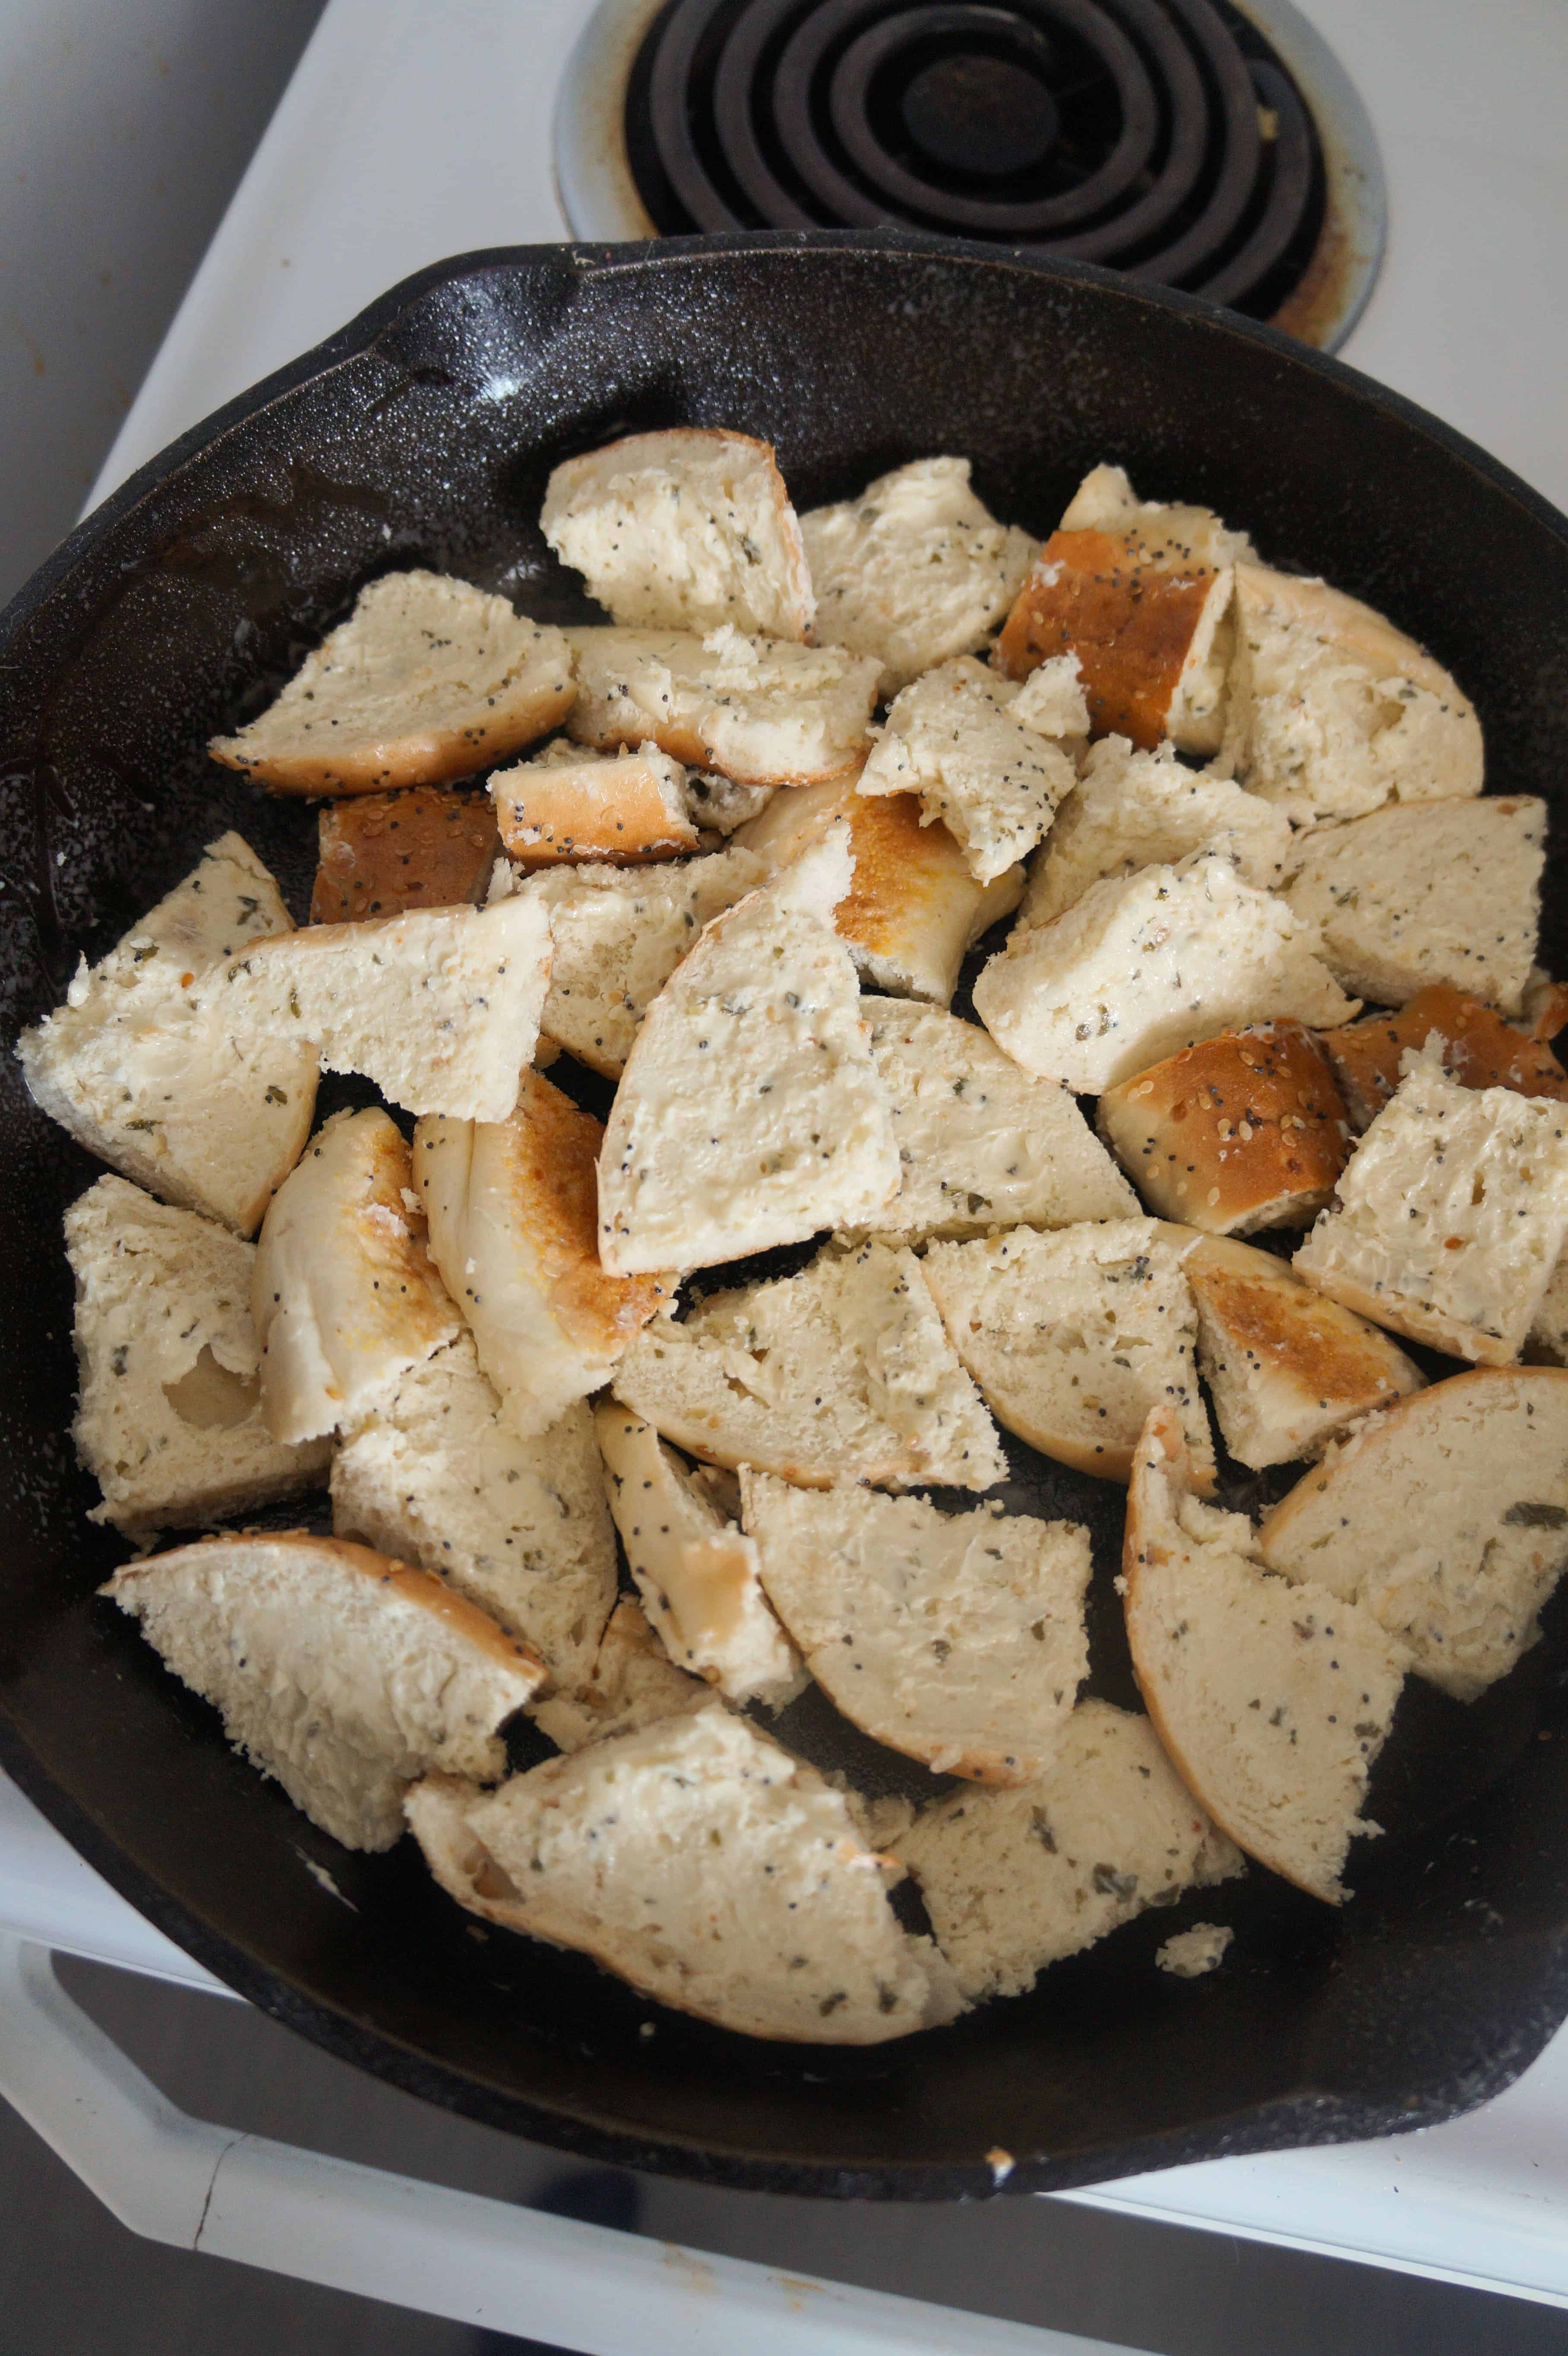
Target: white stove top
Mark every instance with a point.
(410, 132)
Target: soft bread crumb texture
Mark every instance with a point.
(428, 679)
(1285, 1366)
(380, 853)
(696, 1573)
(1245, 1131)
(914, 570)
(700, 1863)
(981, 1144)
(952, 738)
(512, 1207)
(1132, 809)
(161, 1085)
(631, 1683)
(1192, 1953)
(1143, 964)
(1072, 1337)
(957, 1639)
(913, 907)
(616, 808)
(617, 936)
(760, 711)
(436, 1477)
(1450, 1217)
(1472, 1041)
(169, 1418)
(1271, 1699)
(750, 1113)
(842, 1373)
(1445, 1519)
(1427, 892)
(1014, 1880)
(1331, 711)
(343, 1291)
(684, 530)
(340, 1673)
(440, 1007)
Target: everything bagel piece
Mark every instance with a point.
(344, 1675)
(683, 530)
(702, 1863)
(1271, 1701)
(842, 1373)
(955, 1638)
(1443, 1518)
(750, 1113)
(159, 1082)
(512, 1207)
(574, 805)
(428, 679)
(344, 1294)
(916, 569)
(380, 854)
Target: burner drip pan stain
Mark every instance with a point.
(1195, 143)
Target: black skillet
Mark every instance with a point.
(423, 434)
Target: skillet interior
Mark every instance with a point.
(423, 434)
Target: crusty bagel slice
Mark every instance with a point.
(913, 907)
(339, 1672)
(1158, 531)
(380, 854)
(617, 935)
(760, 711)
(513, 1209)
(428, 679)
(439, 1006)
(1073, 1336)
(683, 530)
(1331, 711)
(343, 1292)
(842, 1373)
(1443, 1518)
(703, 1865)
(955, 1638)
(572, 805)
(1143, 964)
(981, 1143)
(1150, 638)
(437, 1476)
(1450, 1217)
(1477, 1048)
(914, 570)
(1272, 1701)
(1244, 1131)
(750, 1113)
(1286, 1367)
(1132, 809)
(169, 1418)
(161, 1085)
(952, 738)
(1014, 1880)
(631, 1682)
(695, 1570)
(1421, 893)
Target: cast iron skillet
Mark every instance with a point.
(423, 433)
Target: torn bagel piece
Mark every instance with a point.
(1474, 1045)
(1072, 1337)
(341, 1674)
(512, 1207)
(700, 1863)
(428, 679)
(573, 805)
(380, 854)
(957, 1639)
(1140, 594)
(1271, 1699)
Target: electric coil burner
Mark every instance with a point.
(1186, 142)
